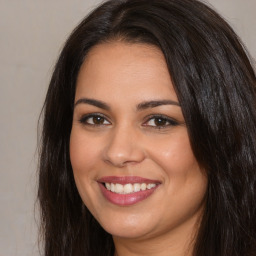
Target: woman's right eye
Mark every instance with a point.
(94, 119)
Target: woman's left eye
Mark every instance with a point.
(160, 122)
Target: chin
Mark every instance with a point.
(127, 226)
(128, 232)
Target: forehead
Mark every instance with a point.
(142, 50)
(131, 68)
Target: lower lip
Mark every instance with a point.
(126, 199)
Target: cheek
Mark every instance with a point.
(174, 155)
(83, 154)
(185, 182)
(180, 169)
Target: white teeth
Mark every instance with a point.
(128, 188)
(149, 186)
(108, 186)
(136, 187)
(119, 188)
(143, 186)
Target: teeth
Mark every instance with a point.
(149, 186)
(136, 187)
(128, 188)
(143, 186)
(119, 188)
(108, 186)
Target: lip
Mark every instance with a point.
(126, 199)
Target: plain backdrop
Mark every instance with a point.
(32, 33)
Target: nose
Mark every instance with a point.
(123, 148)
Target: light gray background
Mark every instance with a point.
(32, 34)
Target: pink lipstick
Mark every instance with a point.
(127, 190)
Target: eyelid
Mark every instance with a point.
(85, 117)
(170, 121)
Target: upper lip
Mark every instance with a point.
(127, 179)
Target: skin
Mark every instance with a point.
(127, 141)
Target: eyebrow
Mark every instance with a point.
(96, 103)
(141, 106)
(156, 103)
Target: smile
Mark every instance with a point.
(128, 190)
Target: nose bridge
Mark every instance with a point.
(123, 146)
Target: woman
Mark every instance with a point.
(148, 143)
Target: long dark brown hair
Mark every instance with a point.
(215, 85)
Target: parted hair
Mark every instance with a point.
(216, 87)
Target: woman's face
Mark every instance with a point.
(129, 146)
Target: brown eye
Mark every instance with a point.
(160, 122)
(98, 120)
(94, 119)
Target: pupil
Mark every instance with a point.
(160, 121)
(98, 120)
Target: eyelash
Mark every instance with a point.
(162, 118)
(168, 120)
(84, 119)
